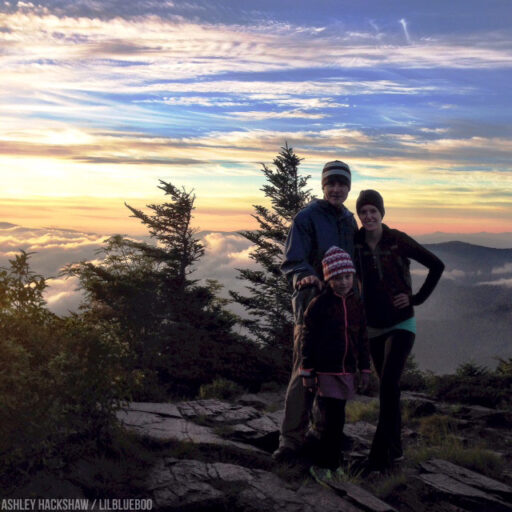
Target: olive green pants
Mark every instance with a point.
(298, 403)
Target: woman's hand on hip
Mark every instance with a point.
(402, 300)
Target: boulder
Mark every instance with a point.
(178, 485)
(170, 428)
(361, 432)
(262, 432)
(491, 417)
(422, 409)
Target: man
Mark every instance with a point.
(320, 225)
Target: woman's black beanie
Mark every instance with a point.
(370, 197)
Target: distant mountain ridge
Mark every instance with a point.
(483, 238)
(477, 259)
(469, 315)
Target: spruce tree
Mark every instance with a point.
(268, 303)
(180, 334)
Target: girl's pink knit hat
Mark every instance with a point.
(336, 261)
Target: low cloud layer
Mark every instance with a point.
(53, 249)
(481, 296)
(224, 253)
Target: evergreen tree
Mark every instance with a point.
(269, 301)
(179, 331)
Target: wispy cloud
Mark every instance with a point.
(255, 115)
(101, 99)
(505, 269)
(498, 282)
(403, 22)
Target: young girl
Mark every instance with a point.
(335, 346)
(382, 260)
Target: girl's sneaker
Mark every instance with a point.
(321, 475)
(326, 475)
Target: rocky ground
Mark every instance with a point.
(215, 455)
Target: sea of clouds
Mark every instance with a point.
(53, 248)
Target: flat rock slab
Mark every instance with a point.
(361, 431)
(264, 399)
(217, 411)
(468, 477)
(317, 498)
(193, 485)
(163, 409)
(462, 494)
(262, 431)
(167, 428)
(491, 417)
(361, 496)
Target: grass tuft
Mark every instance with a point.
(360, 411)
(438, 440)
(388, 484)
(436, 428)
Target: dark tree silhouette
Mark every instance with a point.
(180, 333)
(269, 300)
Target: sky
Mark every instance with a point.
(101, 99)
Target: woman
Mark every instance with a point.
(382, 258)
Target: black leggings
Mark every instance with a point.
(389, 354)
(332, 411)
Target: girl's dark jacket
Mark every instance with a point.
(385, 273)
(335, 339)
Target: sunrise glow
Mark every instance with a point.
(99, 101)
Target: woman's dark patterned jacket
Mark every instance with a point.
(385, 273)
(335, 339)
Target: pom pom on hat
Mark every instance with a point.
(336, 261)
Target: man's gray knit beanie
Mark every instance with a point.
(339, 169)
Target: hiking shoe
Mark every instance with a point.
(285, 454)
(340, 473)
(321, 475)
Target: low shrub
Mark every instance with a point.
(61, 381)
(489, 390)
(220, 388)
(504, 367)
(413, 379)
(471, 369)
